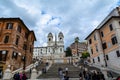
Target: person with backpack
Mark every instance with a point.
(80, 76)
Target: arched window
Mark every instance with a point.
(6, 39)
(49, 39)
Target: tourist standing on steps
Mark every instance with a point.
(84, 73)
(80, 76)
(66, 77)
(61, 75)
(65, 74)
(66, 71)
(59, 69)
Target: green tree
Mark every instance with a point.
(68, 52)
(85, 54)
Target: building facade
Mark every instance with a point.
(104, 41)
(53, 50)
(78, 47)
(16, 44)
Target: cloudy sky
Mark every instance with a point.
(72, 17)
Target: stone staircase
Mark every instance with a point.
(73, 72)
(38, 68)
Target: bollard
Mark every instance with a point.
(7, 74)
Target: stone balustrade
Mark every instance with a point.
(10, 73)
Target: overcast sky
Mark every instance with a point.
(72, 17)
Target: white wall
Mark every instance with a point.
(114, 61)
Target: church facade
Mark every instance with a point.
(53, 50)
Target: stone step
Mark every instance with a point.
(73, 72)
(55, 75)
(55, 79)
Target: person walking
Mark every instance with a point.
(80, 76)
(84, 73)
(66, 71)
(59, 69)
(61, 73)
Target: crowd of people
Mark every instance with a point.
(63, 73)
(20, 76)
(94, 75)
(83, 75)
